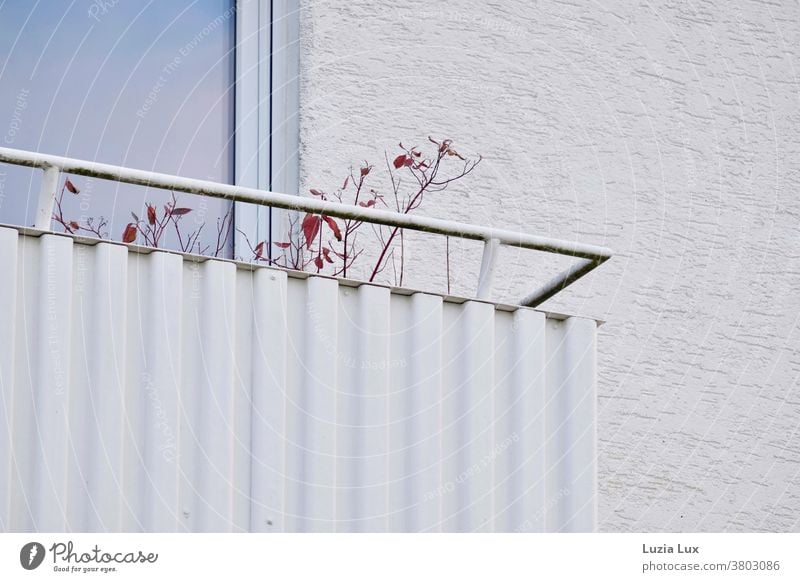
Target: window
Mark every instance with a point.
(176, 87)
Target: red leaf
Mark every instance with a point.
(282, 245)
(311, 224)
(334, 227)
(151, 214)
(365, 170)
(346, 180)
(402, 160)
(316, 192)
(181, 211)
(259, 250)
(367, 204)
(318, 262)
(327, 252)
(70, 186)
(74, 225)
(130, 233)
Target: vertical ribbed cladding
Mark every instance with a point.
(150, 392)
(362, 409)
(49, 350)
(24, 428)
(269, 345)
(349, 416)
(311, 417)
(416, 384)
(398, 412)
(468, 417)
(373, 365)
(98, 387)
(208, 431)
(294, 416)
(242, 334)
(154, 377)
(9, 240)
(571, 454)
(86, 322)
(519, 453)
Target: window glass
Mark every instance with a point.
(147, 85)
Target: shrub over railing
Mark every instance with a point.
(317, 242)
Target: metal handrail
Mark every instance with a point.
(591, 256)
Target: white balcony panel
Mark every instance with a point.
(159, 392)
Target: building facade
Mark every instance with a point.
(666, 132)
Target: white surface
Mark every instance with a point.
(267, 63)
(146, 392)
(399, 557)
(667, 132)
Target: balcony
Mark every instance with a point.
(149, 390)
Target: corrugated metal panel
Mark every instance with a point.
(148, 392)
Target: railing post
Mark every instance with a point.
(488, 263)
(47, 198)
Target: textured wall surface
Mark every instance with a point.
(666, 131)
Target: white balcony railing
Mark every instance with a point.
(589, 256)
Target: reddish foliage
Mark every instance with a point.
(316, 249)
(402, 160)
(150, 231)
(259, 251)
(334, 227)
(130, 233)
(311, 225)
(413, 175)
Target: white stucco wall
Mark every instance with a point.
(667, 132)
